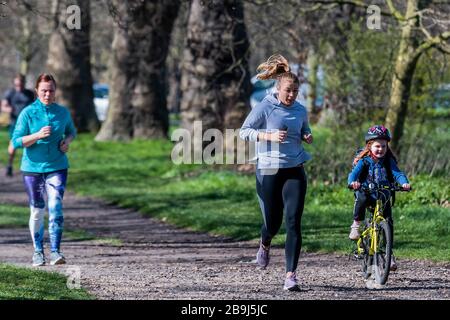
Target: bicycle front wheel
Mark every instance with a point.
(383, 253)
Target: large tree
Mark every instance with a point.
(422, 25)
(69, 61)
(137, 106)
(415, 40)
(215, 78)
(308, 35)
(23, 42)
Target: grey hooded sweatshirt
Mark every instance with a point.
(271, 115)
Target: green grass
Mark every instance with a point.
(140, 175)
(23, 283)
(420, 232)
(13, 216)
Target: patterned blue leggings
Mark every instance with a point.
(37, 185)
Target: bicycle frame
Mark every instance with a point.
(377, 217)
(374, 245)
(371, 230)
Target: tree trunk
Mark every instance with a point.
(215, 78)
(25, 45)
(69, 62)
(174, 59)
(137, 106)
(174, 92)
(313, 66)
(405, 66)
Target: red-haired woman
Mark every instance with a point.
(45, 130)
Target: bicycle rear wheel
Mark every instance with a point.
(382, 257)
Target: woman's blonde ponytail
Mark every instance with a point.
(273, 67)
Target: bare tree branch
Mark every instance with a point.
(33, 8)
(444, 49)
(3, 4)
(356, 3)
(319, 5)
(397, 15)
(423, 28)
(260, 2)
(435, 42)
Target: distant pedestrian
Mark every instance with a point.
(13, 102)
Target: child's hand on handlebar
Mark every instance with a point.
(355, 185)
(406, 186)
(308, 138)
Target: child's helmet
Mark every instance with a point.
(378, 132)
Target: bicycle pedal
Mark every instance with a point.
(357, 256)
(354, 255)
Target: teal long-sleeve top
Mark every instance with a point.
(44, 155)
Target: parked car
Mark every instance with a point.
(101, 100)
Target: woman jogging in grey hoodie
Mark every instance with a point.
(278, 124)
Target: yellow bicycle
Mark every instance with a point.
(374, 246)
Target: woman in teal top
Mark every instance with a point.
(45, 130)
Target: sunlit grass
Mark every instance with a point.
(140, 175)
(29, 284)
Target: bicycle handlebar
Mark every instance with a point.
(372, 187)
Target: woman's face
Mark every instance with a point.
(46, 92)
(287, 91)
(378, 148)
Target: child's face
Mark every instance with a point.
(379, 148)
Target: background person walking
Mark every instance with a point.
(279, 124)
(13, 102)
(45, 129)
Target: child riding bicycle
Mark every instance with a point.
(374, 164)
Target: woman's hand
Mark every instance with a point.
(44, 132)
(32, 138)
(10, 148)
(355, 185)
(5, 107)
(308, 138)
(277, 136)
(64, 146)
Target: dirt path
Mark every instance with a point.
(159, 261)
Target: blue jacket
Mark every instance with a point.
(377, 172)
(44, 155)
(269, 115)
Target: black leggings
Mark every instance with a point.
(286, 190)
(363, 200)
